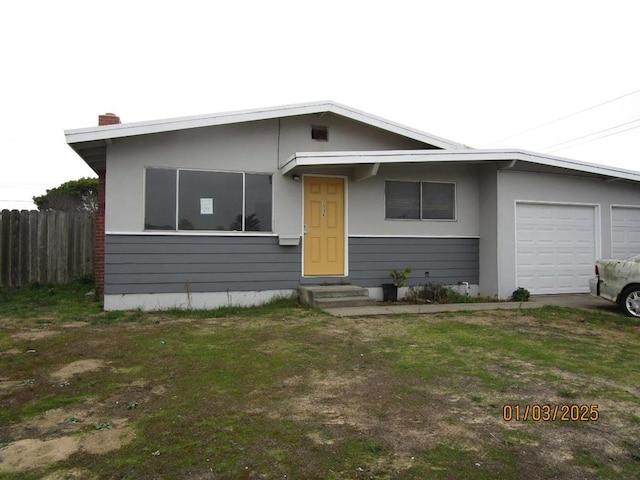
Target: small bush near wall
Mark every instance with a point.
(520, 295)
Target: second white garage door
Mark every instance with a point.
(555, 247)
(625, 231)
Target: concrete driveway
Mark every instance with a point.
(576, 300)
(536, 301)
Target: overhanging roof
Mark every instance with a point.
(98, 133)
(90, 143)
(303, 160)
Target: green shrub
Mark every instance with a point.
(520, 295)
(399, 277)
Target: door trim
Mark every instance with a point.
(346, 223)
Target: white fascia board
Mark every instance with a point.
(386, 156)
(171, 124)
(571, 164)
(394, 127)
(305, 159)
(181, 123)
(466, 155)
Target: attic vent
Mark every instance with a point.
(320, 133)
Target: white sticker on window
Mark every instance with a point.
(206, 206)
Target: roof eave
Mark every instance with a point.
(307, 159)
(81, 135)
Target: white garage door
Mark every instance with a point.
(625, 232)
(555, 247)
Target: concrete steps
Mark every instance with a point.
(336, 296)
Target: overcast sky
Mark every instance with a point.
(476, 72)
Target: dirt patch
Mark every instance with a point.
(70, 474)
(365, 402)
(78, 367)
(59, 419)
(9, 384)
(11, 351)
(74, 325)
(61, 433)
(366, 329)
(35, 335)
(33, 453)
(318, 439)
(103, 441)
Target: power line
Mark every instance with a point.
(594, 139)
(592, 134)
(562, 118)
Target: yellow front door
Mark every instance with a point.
(324, 226)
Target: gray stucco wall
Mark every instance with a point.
(257, 147)
(489, 258)
(367, 210)
(344, 135)
(244, 147)
(514, 186)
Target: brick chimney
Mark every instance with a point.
(98, 259)
(108, 119)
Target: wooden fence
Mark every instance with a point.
(44, 247)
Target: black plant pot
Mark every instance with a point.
(389, 292)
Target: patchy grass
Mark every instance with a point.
(283, 390)
(47, 303)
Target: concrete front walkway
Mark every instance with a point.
(569, 300)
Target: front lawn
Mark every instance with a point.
(285, 391)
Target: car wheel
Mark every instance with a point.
(631, 302)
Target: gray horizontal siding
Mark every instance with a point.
(173, 264)
(448, 260)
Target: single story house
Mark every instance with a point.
(236, 208)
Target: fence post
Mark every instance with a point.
(33, 247)
(43, 251)
(5, 247)
(24, 248)
(14, 245)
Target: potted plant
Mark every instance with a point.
(399, 279)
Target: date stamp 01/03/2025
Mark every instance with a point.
(565, 412)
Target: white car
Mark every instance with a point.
(619, 281)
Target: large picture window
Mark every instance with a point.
(420, 200)
(207, 200)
